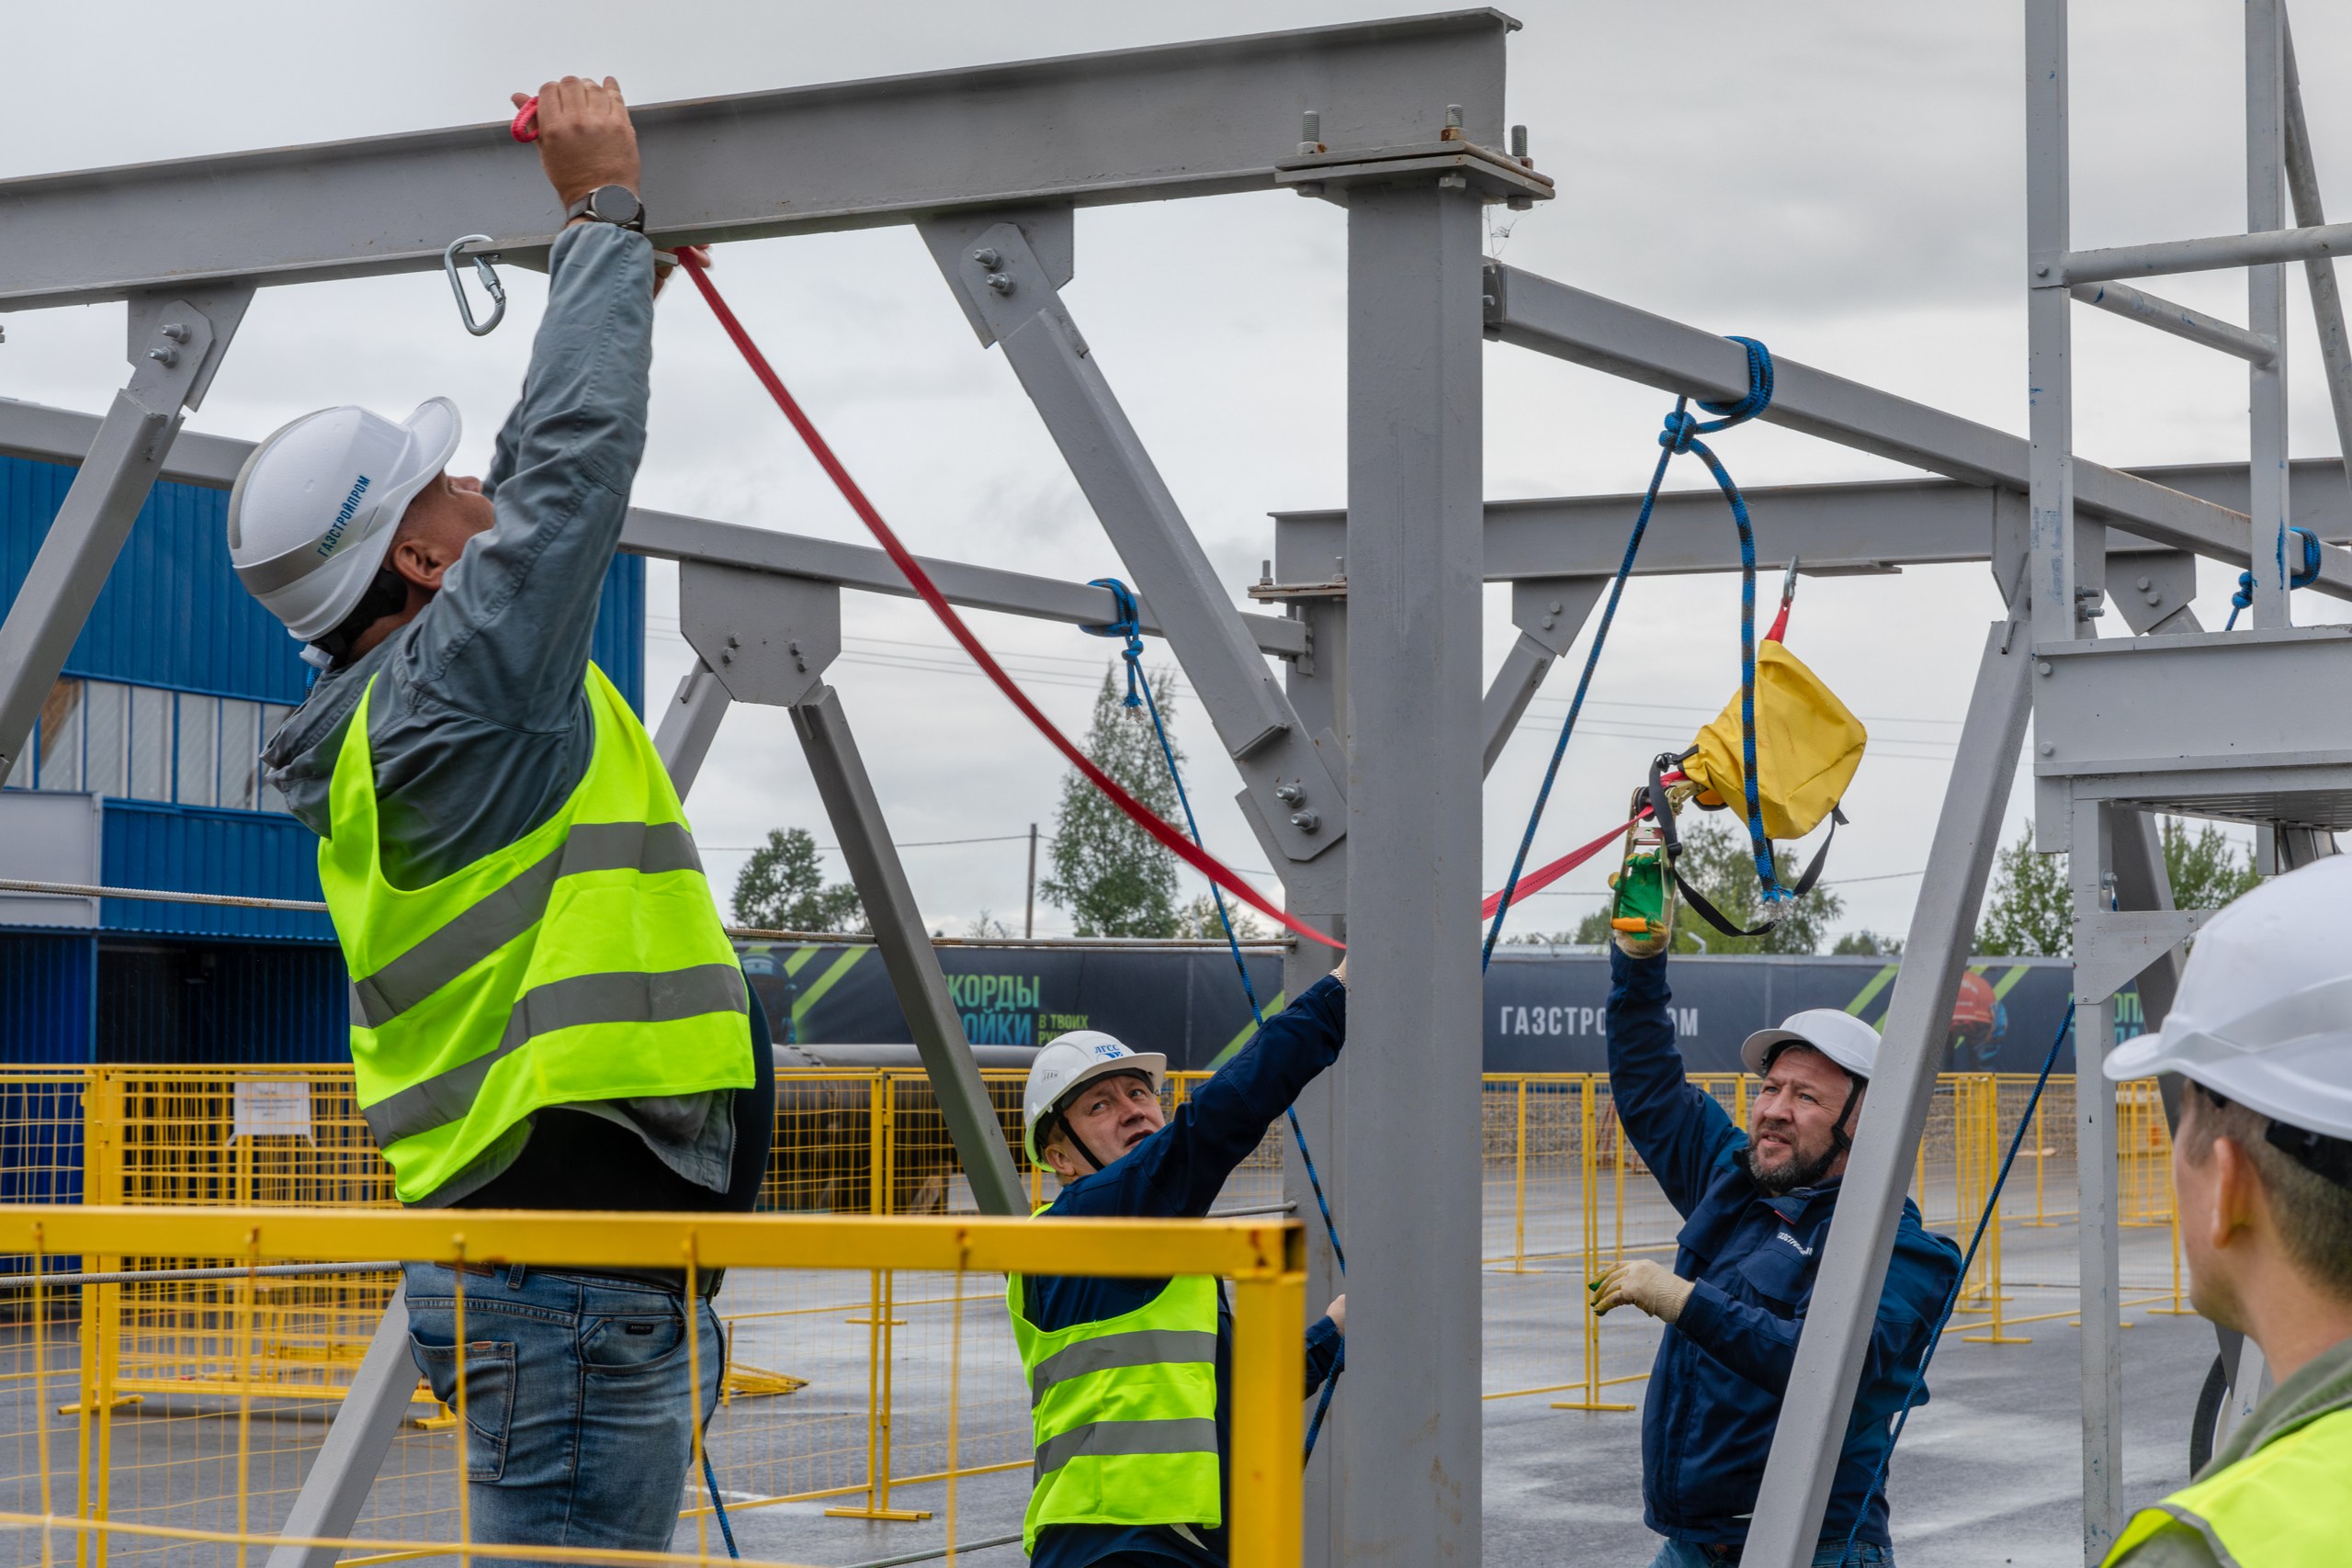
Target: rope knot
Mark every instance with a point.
(1126, 624)
(2302, 576)
(1681, 431)
(1759, 389)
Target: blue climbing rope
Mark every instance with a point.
(1951, 1301)
(1681, 435)
(2303, 577)
(718, 1504)
(1129, 627)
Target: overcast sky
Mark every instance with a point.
(1844, 181)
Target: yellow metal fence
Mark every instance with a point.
(53, 1499)
(831, 1386)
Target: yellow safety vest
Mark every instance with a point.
(1124, 1412)
(584, 962)
(2287, 1504)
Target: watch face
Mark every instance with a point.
(615, 204)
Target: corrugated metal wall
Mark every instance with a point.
(173, 614)
(216, 1002)
(206, 850)
(48, 986)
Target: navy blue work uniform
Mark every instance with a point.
(1178, 1172)
(1715, 1391)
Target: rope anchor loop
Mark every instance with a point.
(1127, 624)
(486, 273)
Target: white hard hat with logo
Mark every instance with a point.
(314, 508)
(1068, 1064)
(2263, 1016)
(1836, 1034)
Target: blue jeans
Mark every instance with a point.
(1683, 1554)
(578, 1428)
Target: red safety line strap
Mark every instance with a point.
(1175, 843)
(1538, 880)
(526, 121)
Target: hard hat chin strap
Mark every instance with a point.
(1855, 1084)
(1061, 1119)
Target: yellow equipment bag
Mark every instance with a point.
(1807, 747)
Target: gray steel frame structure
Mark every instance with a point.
(1376, 829)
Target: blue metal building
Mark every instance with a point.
(142, 773)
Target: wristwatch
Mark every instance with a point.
(617, 205)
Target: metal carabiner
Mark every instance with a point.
(490, 286)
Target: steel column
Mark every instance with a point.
(1317, 891)
(175, 344)
(2266, 288)
(1818, 1405)
(2099, 1259)
(2319, 272)
(1007, 274)
(2052, 569)
(1410, 1478)
(365, 1422)
(907, 954)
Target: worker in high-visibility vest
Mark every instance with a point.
(2262, 1170)
(1129, 1380)
(547, 1012)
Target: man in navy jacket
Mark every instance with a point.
(1756, 1207)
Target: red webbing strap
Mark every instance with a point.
(1538, 880)
(1170, 838)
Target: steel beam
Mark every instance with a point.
(60, 435)
(1569, 324)
(912, 963)
(2266, 288)
(688, 725)
(2319, 272)
(1853, 528)
(2182, 322)
(2210, 253)
(1549, 612)
(1817, 1407)
(366, 1421)
(1409, 1488)
(1011, 293)
(176, 345)
(1127, 125)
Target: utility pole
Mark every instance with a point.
(1029, 902)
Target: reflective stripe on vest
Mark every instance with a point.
(2287, 1504)
(585, 961)
(1124, 1412)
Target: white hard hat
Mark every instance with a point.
(1069, 1061)
(314, 507)
(1838, 1035)
(2263, 1016)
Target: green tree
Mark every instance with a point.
(2206, 869)
(1198, 919)
(1868, 943)
(2031, 909)
(781, 887)
(2030, 912)
(1111, 876)
(1717, 860)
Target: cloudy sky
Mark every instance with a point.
(1842, 180)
